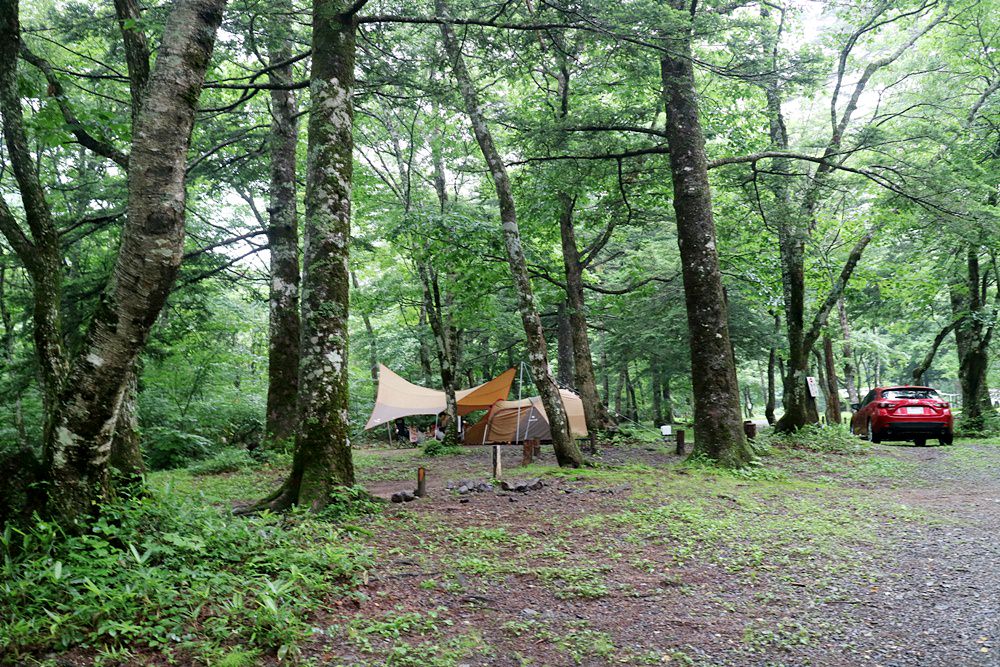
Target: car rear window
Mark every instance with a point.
(900, 394)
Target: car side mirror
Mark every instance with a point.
(855, 406)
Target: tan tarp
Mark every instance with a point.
(399, 398)
(516, 421)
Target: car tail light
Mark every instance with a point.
(883, 404)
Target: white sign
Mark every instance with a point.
(813, 387)
(665, 431)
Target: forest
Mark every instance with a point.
(747, 221)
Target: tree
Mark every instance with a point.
(567, 452)
(718, 427)
(322, 460)
(84, 396)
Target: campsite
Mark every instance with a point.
(458, 334)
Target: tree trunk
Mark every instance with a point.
(632, 407)
(152, 244)
(655, 378)
(848, 351)
(126, 455)
(833, 389)
(40, 254)
(972, 339)
(322, 458)
(594, 410)
(8, 357)
(565, 346)
(668, 401)
(424, 350)
(283, 241)
(771, 399)
(443, 343)
(718, 428)
(567, 452)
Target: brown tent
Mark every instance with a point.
(399, 398)
(516, 421)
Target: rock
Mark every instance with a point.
(463, 500)
(529, 612)
(463, 489)
(397, 497)
(403, 497)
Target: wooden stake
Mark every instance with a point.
(680, 442)
(421, 483)
(497, 466)
(527, 450)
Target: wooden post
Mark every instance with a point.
(497, 466)
(680, 442)
(421, 483)
(527, 450)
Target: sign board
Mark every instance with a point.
(813, 387)
(665, 431)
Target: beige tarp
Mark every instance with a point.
(399, 398)
(516, 421)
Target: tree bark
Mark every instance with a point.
(283, 241)
(126, 455)
(424, 349)
(832, 387)
(972, 338)
(322, 459)
(718, 428)
(594, 409)
(655, 379)
(372, 340)
(79, 442)
(847, 349)
(567, 452)
(39, 249)
(564, 333)
(772, 363)
(443, 343)
(668, 401)
(8, 348)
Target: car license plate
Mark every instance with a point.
(914, 411)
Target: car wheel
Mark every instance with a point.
(920, 442)
(872, 436)
(946, 439)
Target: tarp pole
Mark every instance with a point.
(520, 381)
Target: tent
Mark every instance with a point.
(516, 421)
(398, 398)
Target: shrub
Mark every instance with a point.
(166, 448)
(226, 460)
(164, 575)
(812, 438)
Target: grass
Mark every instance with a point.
(167, 574)
(175, 574)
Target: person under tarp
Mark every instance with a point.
(517, 421)
(398, 398)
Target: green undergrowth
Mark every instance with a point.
(164, 574)
(813, 438)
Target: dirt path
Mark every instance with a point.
(888, 558)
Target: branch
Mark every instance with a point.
(819, 321)
(87, 140)
(918, 372)
(11, 231)
(137, 52)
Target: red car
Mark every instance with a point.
(903, 413)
